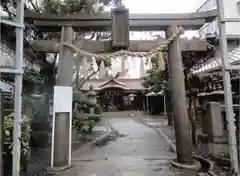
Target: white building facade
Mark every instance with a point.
(231, 10)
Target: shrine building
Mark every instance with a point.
(119, 94)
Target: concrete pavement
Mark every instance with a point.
(134, 150)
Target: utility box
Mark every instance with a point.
(120, 27)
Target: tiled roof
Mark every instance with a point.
(126, 84)
(216, 63)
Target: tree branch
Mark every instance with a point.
(82, 82)
(34, 6)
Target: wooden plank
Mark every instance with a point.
(52, 46)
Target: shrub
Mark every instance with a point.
(96, 118)
(78, 115)
(88, 126)
(25, 132)
(84, 123)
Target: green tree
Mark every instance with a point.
(156, 78)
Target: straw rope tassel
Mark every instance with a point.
(161, 61)
(108, 57)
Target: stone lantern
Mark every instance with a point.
(92, 98)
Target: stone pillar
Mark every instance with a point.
(123, 64)
(65, 72)
(142, 70)
(144, 99)
(213, 123)
(92, 110)
(102, 70)
(181, 121)
(215, 120)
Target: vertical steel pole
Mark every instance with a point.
(165, 107)
(227, 89)
(18, 90)
(239, 118)
(1, 135)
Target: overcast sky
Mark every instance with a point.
(162, 6)
(154, 6)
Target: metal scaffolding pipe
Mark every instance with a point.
(231, 20)
(19, 27)
(18, 90)
(227, 90)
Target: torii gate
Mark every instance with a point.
(120, 22)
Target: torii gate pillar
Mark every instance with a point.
(65, 72)
(179, 102)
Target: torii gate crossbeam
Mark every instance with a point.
(137, 22)
(53, 46)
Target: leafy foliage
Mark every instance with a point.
(33, 76)
(157, 61)
(107, 63)
(32, 81)
(82, 123)
(59, 7)
(25, 133)
(155, 80)
(30, 75)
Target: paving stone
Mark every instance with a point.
(137, 151)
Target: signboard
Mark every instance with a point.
(62, 103)
(62, 100)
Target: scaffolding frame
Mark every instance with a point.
(226, 68)
(18, 71)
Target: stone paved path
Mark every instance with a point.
(138, 151)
